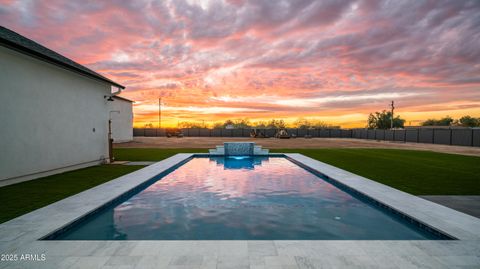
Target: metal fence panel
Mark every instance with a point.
(314, 132)
(462, 137)
(185, 131)
(425, 135)
(388, 135)
(216, 132)
(363, 134)
(360, 133)
(346, 133)
(476, 138)
(335, 132)
(227, 132)
(204, 132)
(246, 132)
(138, 131)
(441, 136)
(371, 134)
(237, 133)
(380, 134)
(323, 133)
(411, 135)
(292, 131)
(150, 132)
(270, 132)
(399, 135)
(193, 132)
(301, 132)
(161, 132)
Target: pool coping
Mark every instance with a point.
(23, 232)
(446, 220)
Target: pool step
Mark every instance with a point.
(219, 150)
(257, 150)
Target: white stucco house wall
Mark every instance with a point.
(121, 116)
(54, 112)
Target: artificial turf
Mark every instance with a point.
(21, 198)
(413, 171)
(149, 154)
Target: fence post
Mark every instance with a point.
(472, 137)
(433, 135)
(451, 133)
(418, 135)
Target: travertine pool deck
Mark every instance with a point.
(20, 236)
(469, 204)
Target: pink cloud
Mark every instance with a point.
(199, 55)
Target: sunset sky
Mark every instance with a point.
(335, 61)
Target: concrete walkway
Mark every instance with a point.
(468, 204)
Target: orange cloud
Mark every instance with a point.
(335, 61)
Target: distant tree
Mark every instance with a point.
(276, 124)
(469, 121)
(189, 124)
(260, 124)
(241, 123)
(227, 123)
(148, 125)
(429, 122)
(302, 123)
(446, 121)
(382, 120)
(218, 125)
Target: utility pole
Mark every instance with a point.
(159, 112)
(391, 119)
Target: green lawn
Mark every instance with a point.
(21, 198)
(412, 171)
(415, 172)
(149, 154)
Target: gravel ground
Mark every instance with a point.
(273, 143)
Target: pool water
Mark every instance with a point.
(243, 198)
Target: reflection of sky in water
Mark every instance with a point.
(242, 198)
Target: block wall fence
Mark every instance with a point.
(444, 136)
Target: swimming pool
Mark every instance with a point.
(243, 198)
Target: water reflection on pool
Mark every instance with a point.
(242, 198)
